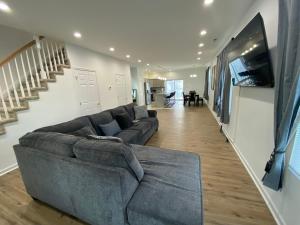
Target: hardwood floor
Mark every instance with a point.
(230, 196)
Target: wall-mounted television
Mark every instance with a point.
(249, 58)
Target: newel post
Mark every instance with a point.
(38, 50)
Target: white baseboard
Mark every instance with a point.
(8, 169)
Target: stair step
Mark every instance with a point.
(56, 72)
(52, 80)
(10, 120)
(64, 66)
(16, 109)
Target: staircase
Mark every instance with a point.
(25, 73)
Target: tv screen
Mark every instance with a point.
(248, 55)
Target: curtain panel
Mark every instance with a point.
(205, 94)
(287, 89)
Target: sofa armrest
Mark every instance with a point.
(152, 113)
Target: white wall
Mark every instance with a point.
(106, 68)
(251, 126)
(60, 103)
(137, 81)
(189, 84)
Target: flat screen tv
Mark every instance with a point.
(249, 58)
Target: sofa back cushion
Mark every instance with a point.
(124, 121)
(69, 127)
(117, 111)
(100, 118)
(130, 110)
(84, 132)
(140, 112)
(109, 153)
(55, 143)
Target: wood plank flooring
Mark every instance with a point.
(230, 196)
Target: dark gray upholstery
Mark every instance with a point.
(110, 182)
(109, 153)
(118, 110)
(130, 110)
(111, 128)
(57, 143)
(95, 193)
(100, 118)
(170, 192)
(69, 127)
(140, 112)
(130, 136)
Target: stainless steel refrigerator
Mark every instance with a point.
(147, 93)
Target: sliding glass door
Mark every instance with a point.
(175, 85)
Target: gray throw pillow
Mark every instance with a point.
(140, 112)
(110, 129)
(109, 153)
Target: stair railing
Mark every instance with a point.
(25, 70)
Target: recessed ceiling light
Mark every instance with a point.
(4, 7)
(112, 49)
(203, 32)
(255, 45)
(77, 35)
(198, 58)
(148, 64)
(208, 2)
(128, 56)
(201, 45)
(199, 53)
(139, 61)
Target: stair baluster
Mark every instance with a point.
(57, 54)
(14, 86)
(61, 53)
(4, 107)
(19, 78)
(49, 56)
(30, 71)
(53, 54)
(25, 75)
(45, 60)
(36, 69)
(7, 89)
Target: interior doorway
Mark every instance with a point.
(121, 87)
(177, 86)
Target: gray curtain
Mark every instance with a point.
(287, 88)
(222, 89)
(205, 94)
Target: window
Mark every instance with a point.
(175, 85)
(295, 157)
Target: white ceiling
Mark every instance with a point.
(164, 33)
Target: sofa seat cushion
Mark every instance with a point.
(109, 153)
(152, 120)
(170, 191)
(55, 143)
(141, 126)
(129, 136)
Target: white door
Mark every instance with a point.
(121, 88)
(89, 99)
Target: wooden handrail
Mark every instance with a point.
(15, 53)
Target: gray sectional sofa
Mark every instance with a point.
(108, 182)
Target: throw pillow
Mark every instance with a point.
(124, 121)
(140, 112)
(109, 153)
(83, 132)
(110, 129)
